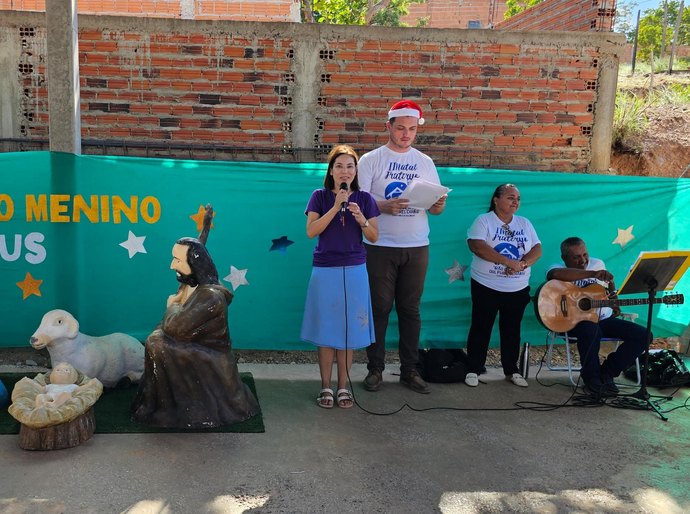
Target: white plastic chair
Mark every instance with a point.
(553, 337)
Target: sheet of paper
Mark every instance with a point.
(422, 194)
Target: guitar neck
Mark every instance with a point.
(624, 303)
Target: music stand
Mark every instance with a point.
(653, 271)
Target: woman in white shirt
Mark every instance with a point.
(504, 246)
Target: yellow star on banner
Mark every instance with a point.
(30, 286)
(199, 218)
(624, 236)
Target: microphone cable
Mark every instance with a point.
(584, 401)
(575, 400)
(405, 405)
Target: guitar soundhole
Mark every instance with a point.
(584, 304)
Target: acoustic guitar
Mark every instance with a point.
(560, 306)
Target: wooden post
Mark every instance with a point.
(675, 37)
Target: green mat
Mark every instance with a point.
(112, 411)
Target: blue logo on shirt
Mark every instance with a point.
(394, 189)
(508, 250)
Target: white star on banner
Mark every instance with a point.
(624, 236)
(456, 271)
(134, 244)
(236, 277)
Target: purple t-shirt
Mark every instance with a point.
(341, 245)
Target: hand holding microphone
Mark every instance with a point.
(343, 206)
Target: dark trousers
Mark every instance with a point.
(589, 336)
(396, 275)
(486, 304)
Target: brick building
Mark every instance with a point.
(240, 10)
(288, 91)
(457, 14)
(454, 14)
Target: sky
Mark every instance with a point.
(643, 5)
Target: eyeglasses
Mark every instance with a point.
(507, 230)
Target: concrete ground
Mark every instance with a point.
(487, 456)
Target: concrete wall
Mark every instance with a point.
(290, 91)
(576, 15)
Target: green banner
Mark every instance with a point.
(93, 235)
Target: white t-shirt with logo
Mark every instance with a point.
(514, 243)
(593, 265)
(385, 174)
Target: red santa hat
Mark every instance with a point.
(406, 108)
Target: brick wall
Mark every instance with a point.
(246, 10)
(290, 91)
(571, 15)
(457, 14)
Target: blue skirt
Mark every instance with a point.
(337, 313)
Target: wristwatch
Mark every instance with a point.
(366, 224)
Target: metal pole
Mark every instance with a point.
(675, 37)
(634, 51)
(664, 25)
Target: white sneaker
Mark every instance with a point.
(472, 380)
(517, 379)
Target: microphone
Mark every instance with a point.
(343, 186)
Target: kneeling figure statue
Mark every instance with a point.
(190, 374)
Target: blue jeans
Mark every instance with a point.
(589, 336)
(396, 275)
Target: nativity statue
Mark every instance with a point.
(190, 374)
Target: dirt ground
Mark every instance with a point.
(666, 142)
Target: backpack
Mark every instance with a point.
(443, 366)
(665, 368)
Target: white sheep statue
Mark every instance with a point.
(109, 358)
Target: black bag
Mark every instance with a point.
(443, 366)
(665, 368)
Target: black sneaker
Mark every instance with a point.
(373, 380)
(597, 388)
(609, 387)
(414, 381)
(593, 387)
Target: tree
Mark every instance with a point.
(357, 12)
(626, 17)
(649, 39)
(517, 6)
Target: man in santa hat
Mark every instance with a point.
(397, 261)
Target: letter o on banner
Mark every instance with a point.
(150, 209)
(6, 207)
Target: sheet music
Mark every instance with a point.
(422, 194)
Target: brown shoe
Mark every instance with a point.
(373, 380)
(414, 381)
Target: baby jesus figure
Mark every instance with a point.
(63, 383)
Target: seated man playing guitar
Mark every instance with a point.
(584, 271)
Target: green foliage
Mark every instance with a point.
(681, 93)
(629, 122)
(626, 13)
(340, 12)
(353, 12)
(671, 94)
(517, 6)
(423, 22)
(630, 119)
(651, 26)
